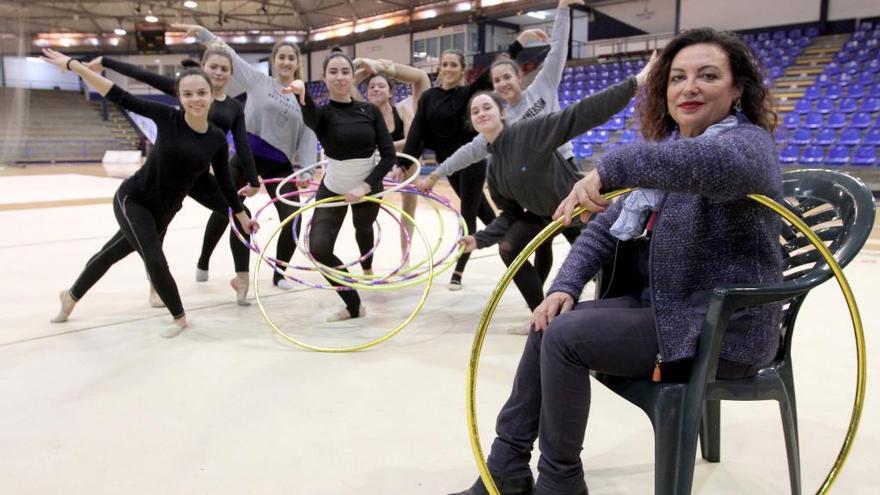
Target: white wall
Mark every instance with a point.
(651, 16)
(848, 9)
(395, 48)
(28, 72)
(747, 14)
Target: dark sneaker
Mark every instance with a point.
(506, 486)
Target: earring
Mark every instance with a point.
(738, 105)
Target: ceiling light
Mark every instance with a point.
(120, 31)
(114, 41)
(537, 15)
(190, 4)
(151, 18)
(240, 39)
(65, 42)
(463, 7)
(429, 14)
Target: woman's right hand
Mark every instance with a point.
(55, 58)
(532, 35)
(297, 88)
(95, 65)
(188, 29)
(552, 306)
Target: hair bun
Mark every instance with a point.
(189, 63)
(336, 49)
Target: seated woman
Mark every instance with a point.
(706, 119)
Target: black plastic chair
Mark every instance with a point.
(840, 210)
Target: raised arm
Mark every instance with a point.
(105, 87)
(158, 81)
(484, 80)
(554, 63)
(561, 127)
(243, 73)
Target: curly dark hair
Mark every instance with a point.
(756, 102)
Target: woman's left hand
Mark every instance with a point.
(587, 193)
(468, 242)
(357, 193)
(249, 190)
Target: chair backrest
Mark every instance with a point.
(840, 210)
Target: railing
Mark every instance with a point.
(55, 149)
(621, 46)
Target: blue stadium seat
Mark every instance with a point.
(813, 120)
(848, 105)
(789, 154)
(825, 137)
(813, 154)
(837, 155)
(855, 91)
(874, 66)
(872, 137)
(628, 136)
(870, 105)
(779, 135)
(833, 91)
(791, 120)
(583, 150)
(812, 93)
(875, 90)
(801, 136)
(837, 120)
(812, 31)
(865, 155)
(823, 105)
(803, 106)
(850, 136)
(795, 34)
(862, 120)
(844, 78)
(832, 68)
(865, 78)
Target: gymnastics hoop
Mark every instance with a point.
(373, 342)
(396, 188)
(407, 276)
(556, 225)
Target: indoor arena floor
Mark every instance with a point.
(101, 404)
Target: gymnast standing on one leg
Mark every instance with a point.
(351, 131)
(186, 144)
(439, 125)
(276, 132)
(227, 114)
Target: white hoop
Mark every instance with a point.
(408, 181)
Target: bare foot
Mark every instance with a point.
(155, 300)
(175, 328)
(67, 304)
(343, 314)
(240, 285)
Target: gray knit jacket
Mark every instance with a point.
(707, 234)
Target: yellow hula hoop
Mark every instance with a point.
(555, 226)
(336, 275)
(359, 347)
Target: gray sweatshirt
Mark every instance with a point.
(275, 117)
(527, 170)
(540, 98)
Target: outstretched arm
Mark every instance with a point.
(243, 72)
(64, 63)
(158, 81)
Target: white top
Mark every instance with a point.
(342, 176)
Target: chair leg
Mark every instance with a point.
(675, 447)
(792, 449)
(710, 431)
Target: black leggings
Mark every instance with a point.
(217, 224)
(530, 279)
(141, 230)
(326, 223)
(468, 185)
(207, 193)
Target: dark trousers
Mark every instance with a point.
(217, 224)
(206, 191)
(326, 223)
(468, 185)
(141, 230)
(530, 278)
(550, 400)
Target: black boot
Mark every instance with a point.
(506, 486)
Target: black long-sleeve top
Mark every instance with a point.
(227, 114)
(179, 156)
(352, 130)
(439, 123)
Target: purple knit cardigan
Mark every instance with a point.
(707, 234)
